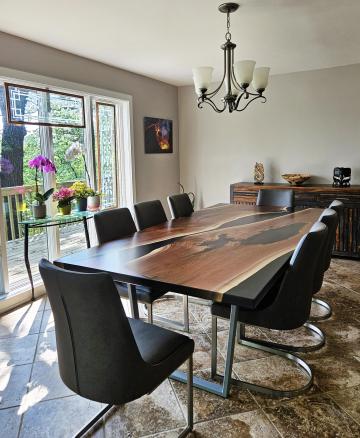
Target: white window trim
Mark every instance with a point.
(125, 142)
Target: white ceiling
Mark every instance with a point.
(164, 39)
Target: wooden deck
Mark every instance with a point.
(72, 239)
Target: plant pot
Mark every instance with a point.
(93, 202)
(81, 204)
(39, 211)
(65, 210)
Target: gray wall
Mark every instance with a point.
(310, 124)
(156, 175)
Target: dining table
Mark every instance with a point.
(227, 253)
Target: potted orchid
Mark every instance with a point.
(41, 165)
(64, 196)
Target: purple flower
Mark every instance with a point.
(6, 166)
(43, 164)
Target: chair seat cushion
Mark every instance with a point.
(157, 344)
(144, 294)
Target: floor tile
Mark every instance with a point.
(46, 349)
(242, 353)
(17, 351)
(312, 417)
(48, 378)
(47, 323)
(59, 418)
(10, 423)
(335, 372)
(273, 372)
(147, 415)
(13, 384)
(209, 406)
(349, 400)
(21, 322)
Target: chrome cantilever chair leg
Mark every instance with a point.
(258, 388)
(190, 405)
(324, 305)
(294, 348)
(93, 421)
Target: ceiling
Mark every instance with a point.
(164, 39)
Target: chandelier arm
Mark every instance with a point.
(212, 104)
(212, 94)
(233, 77)
(249, 102)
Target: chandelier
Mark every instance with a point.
(237, 76)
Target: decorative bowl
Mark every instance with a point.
(296, 178)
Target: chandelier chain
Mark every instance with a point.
(228, 34)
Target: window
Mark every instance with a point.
(48, 122)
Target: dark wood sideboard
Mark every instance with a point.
(316, 195)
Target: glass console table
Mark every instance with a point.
(53, 221)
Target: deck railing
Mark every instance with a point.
(14, 208)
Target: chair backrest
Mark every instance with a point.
(97, 353)
(114, 224)
(149, 213)
(330, 218)
(338, 206)
(291, 306)
(180, 205)
(276, 198)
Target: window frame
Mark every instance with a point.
(125, 168)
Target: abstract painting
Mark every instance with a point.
(158, 136)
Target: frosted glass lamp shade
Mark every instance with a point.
(202, 77)
(244, 71)
(261, 78)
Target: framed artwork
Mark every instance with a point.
(158, 136)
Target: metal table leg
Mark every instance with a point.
(213, 387)
(26, 258)
(86, 232)
(133, 301)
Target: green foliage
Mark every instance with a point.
(62, 139)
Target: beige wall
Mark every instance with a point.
(311, 123)
(156, 175)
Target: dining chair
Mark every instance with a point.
(329, 218)
(180, 205)
(103, 355)
(117, 224)
(338, 207)
(286, 306)
(276, 198)
(149, 214)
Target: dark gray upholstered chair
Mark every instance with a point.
(285, 307)
(117, 224)
(114, 224)
(332, 222)
(276, 198)
(149, 214)
(103, 355)
(329, 218)
(180, 205)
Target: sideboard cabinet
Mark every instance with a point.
(317, 195)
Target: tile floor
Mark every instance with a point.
(35, 403)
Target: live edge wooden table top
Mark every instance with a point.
(226, 253)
